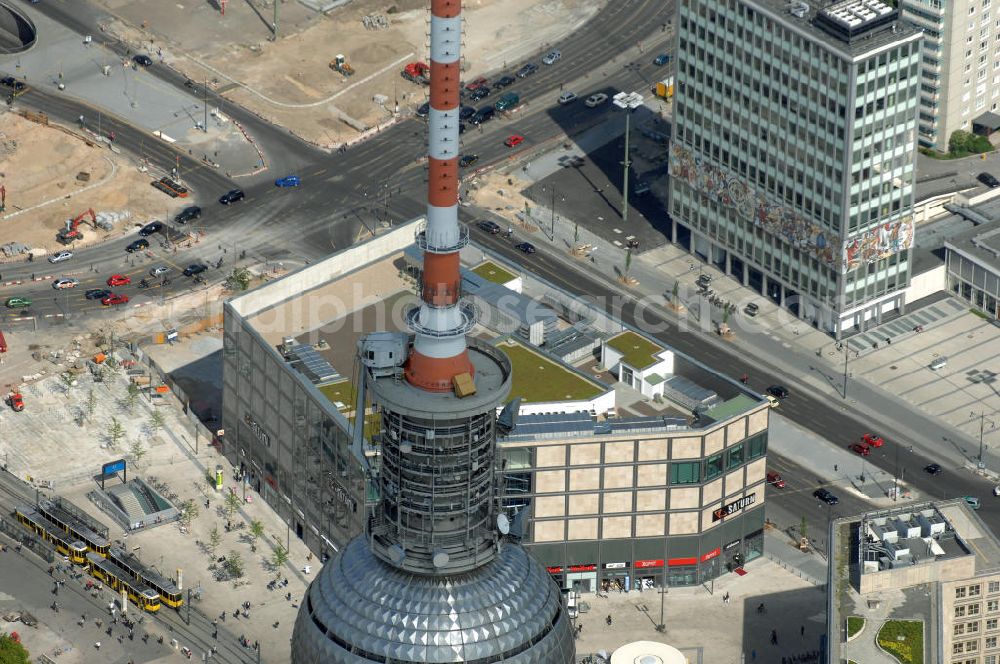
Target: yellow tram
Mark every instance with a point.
(128, 562)
(107, 571)
(75, 551)
(72, 526)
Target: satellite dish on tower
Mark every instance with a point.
(440, 558)
(396, 553)
(503, 524)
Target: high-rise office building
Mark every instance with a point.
(960, 88)
(792, 154)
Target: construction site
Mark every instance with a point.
(62, 189)
(297, 81)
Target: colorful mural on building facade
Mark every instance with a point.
(791, 225)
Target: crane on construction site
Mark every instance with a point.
(72, 232)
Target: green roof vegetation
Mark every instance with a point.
(741, 403)
(904, 640)
(637, 352)
(538, 379)
(342, 391)
(493, 272)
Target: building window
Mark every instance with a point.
(960, 592)
(713, 466)
(735, 456)
(974, 590)
(991, 642)
(685, 472)
(991, 624)
(994, 587)
(992, 606)
(959, 611)
(757, 446)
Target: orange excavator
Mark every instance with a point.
(72, 232)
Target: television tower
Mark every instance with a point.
(433, 579)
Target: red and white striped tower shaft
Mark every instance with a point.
(441, 323)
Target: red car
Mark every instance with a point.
(873, 439)
(114, 298)
(861, 449)
(478, 83)
(118, 280)
(774, 479)
(514, 140)
(16, 401)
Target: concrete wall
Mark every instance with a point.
(927, 283)
(318, 274)
(600, 404)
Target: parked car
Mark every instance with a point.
(142, 60)
(503, 82)
(774, 479)
(933, 469)
(479, 93)
(288, 181)
(778, 391)
(527, 70)
(424, 110)
(971, 501)
(159, 270)
(97, 294)
(150, 228)
(525, 247)
(60, 284)
(826, 496)
(61, 256)
(490, 227)
(751, 309)
(861, 448)
(481, 82)
(466, 112)
(193, 269)
(232, 196)
(138, 245)
(567, 97)
(119, 280)
(513, 140)
(467, 160)
(485, 114)
(873, 439)
(17, 302)
(595, 100)
(988, 180)
(114, 299)
(661, 59)
(551, 58)
(189, 213)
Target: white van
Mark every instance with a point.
(939, 363)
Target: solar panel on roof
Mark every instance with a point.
(312, 363)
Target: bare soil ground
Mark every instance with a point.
(290, 82)
(40, 167)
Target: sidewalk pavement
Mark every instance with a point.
(774, 338)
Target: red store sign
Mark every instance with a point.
(582, 568)
(554, 570)
(677, 562)
(646, 564)
(711, 554)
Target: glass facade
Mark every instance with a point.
(974, 283)
(816, 145)
(282, 432)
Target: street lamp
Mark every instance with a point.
(628, 101)
(982, 423)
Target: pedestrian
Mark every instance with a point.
(836, 468)
(206, 503)
(608, 619)
(774, 637)
(97, 645)
(802, 630)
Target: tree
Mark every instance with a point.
(115, 432)
(279, 558)
(188, 512)
(138, 450)
(233, 503)
(239, 279)
(12, 652)
(234, 564)
(69, 380)
(214, 540)
(958, 142)
(132, 396)
(91, 405)
(256, 531)
(156, 420)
